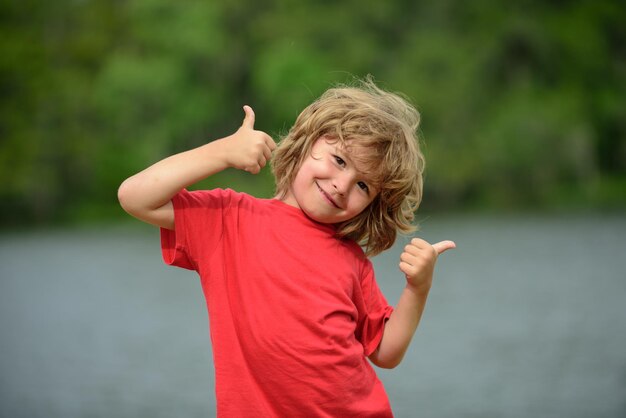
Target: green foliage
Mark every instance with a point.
(523, 104)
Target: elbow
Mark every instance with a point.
(385, 362)
(124, 196)
(388, 364)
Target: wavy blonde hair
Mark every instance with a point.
(383, 126)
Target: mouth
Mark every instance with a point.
(327, 197)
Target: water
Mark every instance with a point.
(526, 319)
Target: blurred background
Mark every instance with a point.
(523, 110)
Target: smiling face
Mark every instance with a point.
(330, 186)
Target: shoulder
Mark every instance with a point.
(351, 250)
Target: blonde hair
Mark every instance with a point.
(384, 126)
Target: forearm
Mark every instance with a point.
(400, 327)
(147, 195)
(155, 186)
(417, 262)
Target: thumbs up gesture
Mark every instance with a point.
(249, 150)
(418, 259)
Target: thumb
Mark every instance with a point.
(248, 120)
(444, 246)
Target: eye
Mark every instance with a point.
(363, 186)
(339, 160)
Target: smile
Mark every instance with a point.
(327, 197)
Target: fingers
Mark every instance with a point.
(406, 268)
(267, 153)
(258, 146)
(270, 143)
(417, 245)
(418, 260)
(444, 246)
(407, 258)
(248, 120)
(269, 147)
(257, 157)
(255, 169)
(419, 253)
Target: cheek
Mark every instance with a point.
(303, 172)
(360, 202)
(312, 167)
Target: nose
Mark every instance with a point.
(342, 183)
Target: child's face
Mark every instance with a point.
(329, 186)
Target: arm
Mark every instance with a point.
(417, 262)
(147, 195)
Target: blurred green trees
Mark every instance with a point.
(523, 103)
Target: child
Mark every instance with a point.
(294, 308)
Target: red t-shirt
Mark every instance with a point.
(294, 312)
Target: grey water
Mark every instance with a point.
(526, 318)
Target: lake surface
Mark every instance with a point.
(526, 318)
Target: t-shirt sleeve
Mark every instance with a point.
(198, 227)
(374, 311)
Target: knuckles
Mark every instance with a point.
(421, 253)
(253, 169)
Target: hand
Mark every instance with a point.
(417, 261)
(249, 150)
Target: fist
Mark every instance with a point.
(250, 149)
(417, 261)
